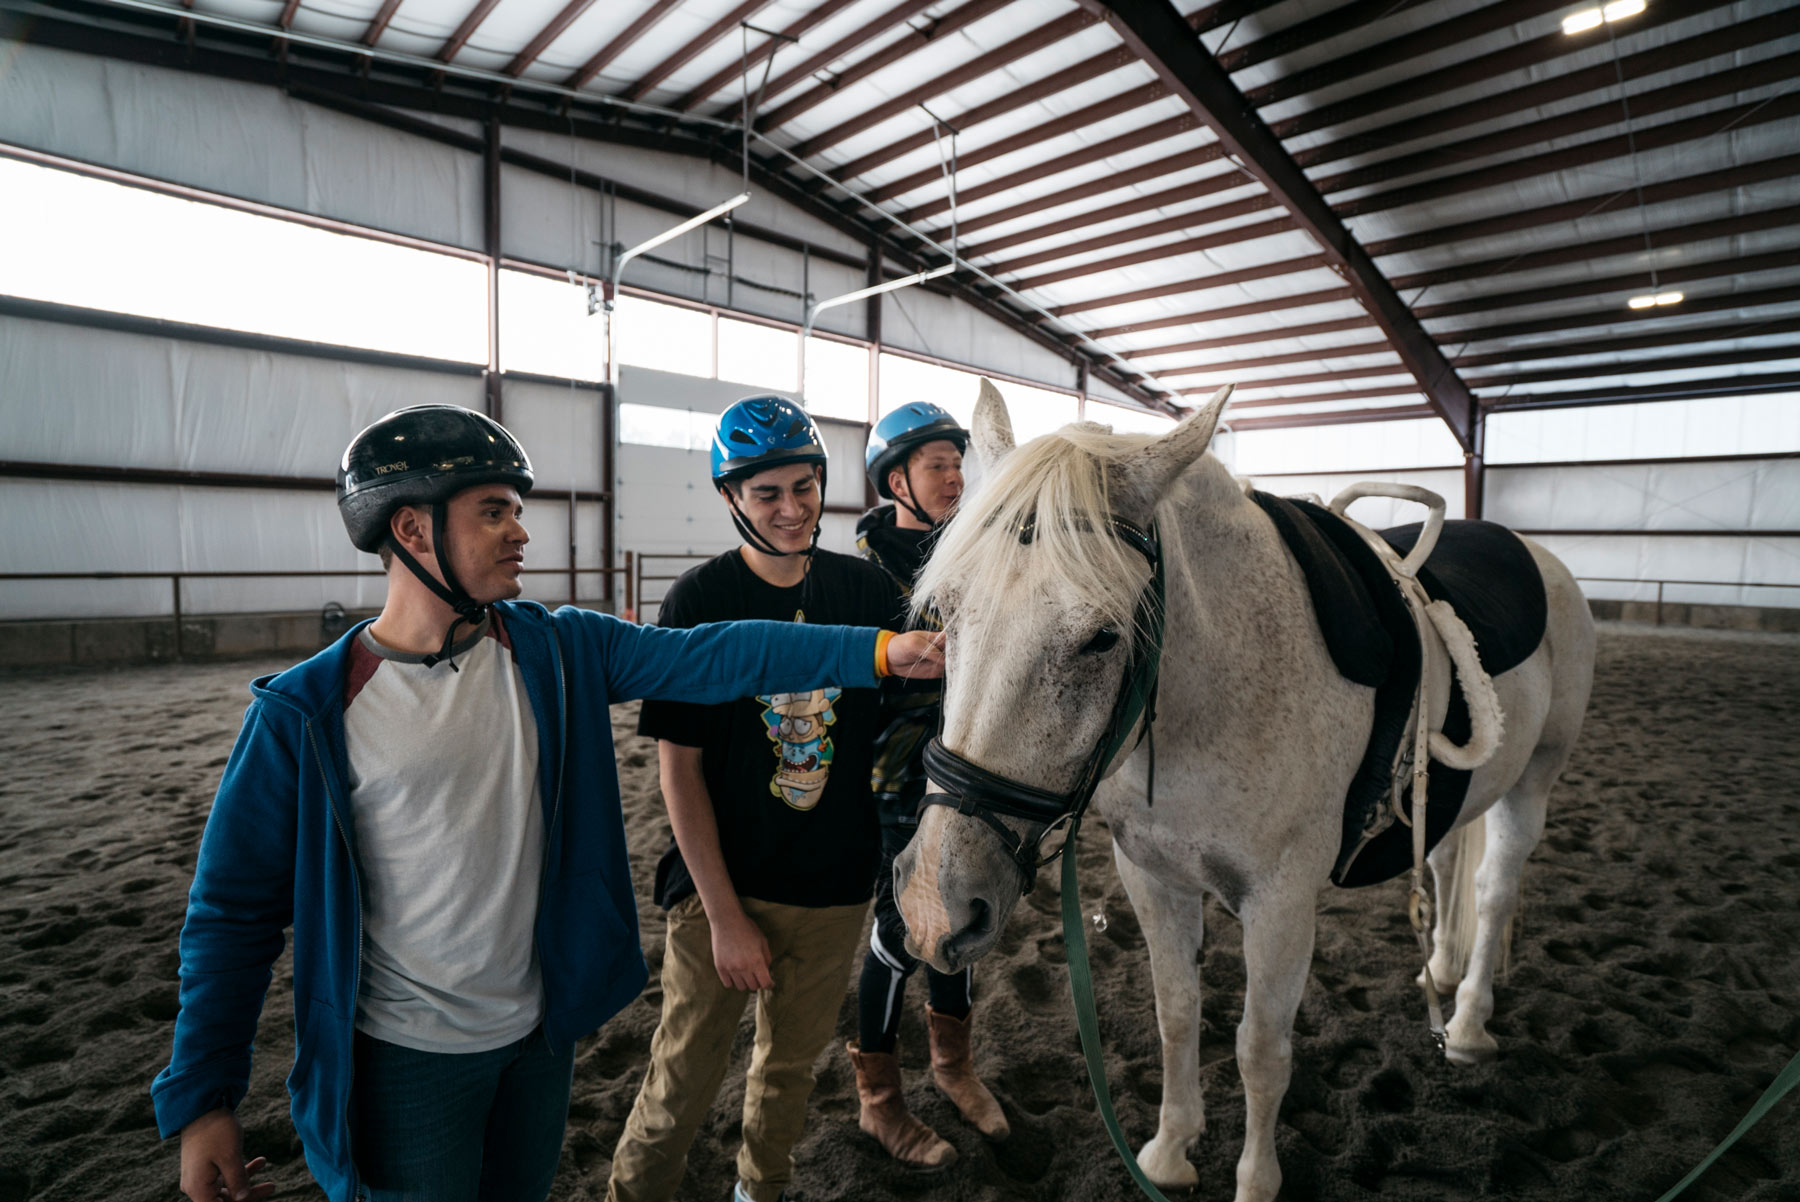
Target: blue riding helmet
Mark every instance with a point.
(896, 435)
(761, 432)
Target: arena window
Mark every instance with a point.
(1752, 425)
(660, 426)
(664, 337)
(98, 244)
(1128, 421)
(837, 379)
(764, 356)
(545, 328)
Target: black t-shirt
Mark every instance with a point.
(788, 773)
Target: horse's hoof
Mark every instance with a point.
(1472, 1054)
(1167, 1172)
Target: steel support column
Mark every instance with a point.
(1170, 47)
(490, 243)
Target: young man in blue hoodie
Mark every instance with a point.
(432, 804)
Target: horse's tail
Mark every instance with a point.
(1457, 903)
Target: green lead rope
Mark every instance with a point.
(1081, 985)
(1784, 1081)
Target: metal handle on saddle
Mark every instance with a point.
(1434, 520)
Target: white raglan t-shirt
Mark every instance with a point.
(450, 840)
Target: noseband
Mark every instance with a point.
(987, 795)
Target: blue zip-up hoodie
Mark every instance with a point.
(280, 849)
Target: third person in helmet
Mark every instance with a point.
(914, 460)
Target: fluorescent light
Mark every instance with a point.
(1651, 299)
(1641, 302)
(1668, 298)
(1593, 18)
(905, 281)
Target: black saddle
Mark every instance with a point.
(1488, 577)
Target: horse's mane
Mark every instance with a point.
(1059, 482)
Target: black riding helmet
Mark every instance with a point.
(424, 455)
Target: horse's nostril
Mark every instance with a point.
(981, 917)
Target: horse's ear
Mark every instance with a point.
(1169, 456)
(991, 431)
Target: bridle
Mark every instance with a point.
(985, 795)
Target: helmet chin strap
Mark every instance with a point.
(916, 511)
(451, 592)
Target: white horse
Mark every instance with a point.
(1256, 740)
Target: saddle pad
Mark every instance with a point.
(1490, 579)
(1487, 575)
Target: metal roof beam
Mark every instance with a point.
(648, 82)
(1641, 366)
(1306, 356)
(1125, 102)
(1164, 41)
(1143, 203)
(1176, 288)
(1360, 321)
(1157, 253)
(1681, 336)
(456, 41)
(1680, 188)
(1595, 116)
(1066, 26)
(1517, 57)
(1624, 244)
(549, 33)
(1597, 78)
(1333, 417)
(379, 25)
(759, 54)
(915, 39)
(1113, 181)
(622, 42)
(1752, 299)
(1672, 133)
(1069, 77)
(1752, 385)
(1299, 300)
(1683, 273)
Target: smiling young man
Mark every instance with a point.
(432, 804)
(768, 879)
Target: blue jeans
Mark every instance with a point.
(441, 1127)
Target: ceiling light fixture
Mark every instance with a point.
(1593, 18)
(1652, 299)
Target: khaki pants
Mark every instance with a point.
(811, 952)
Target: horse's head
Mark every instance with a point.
(1041, 581)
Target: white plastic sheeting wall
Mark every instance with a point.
(240, 139)
(1704, 497)
(100, 398)
(1374, 512)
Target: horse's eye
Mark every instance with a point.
(1105, 639)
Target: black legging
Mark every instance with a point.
(887, 966)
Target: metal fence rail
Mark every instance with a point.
(1661, 585)
(175, 580)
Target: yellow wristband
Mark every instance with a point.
(882, 639)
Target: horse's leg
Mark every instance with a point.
(1514, 825)
(1278, 945)
(1453, 862)
(1172, 923)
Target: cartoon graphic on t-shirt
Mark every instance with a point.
(798, 724)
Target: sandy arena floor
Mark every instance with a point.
(1655, 988)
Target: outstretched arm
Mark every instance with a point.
(740, 950)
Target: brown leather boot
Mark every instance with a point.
(954, 1070)
(885, 1116)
